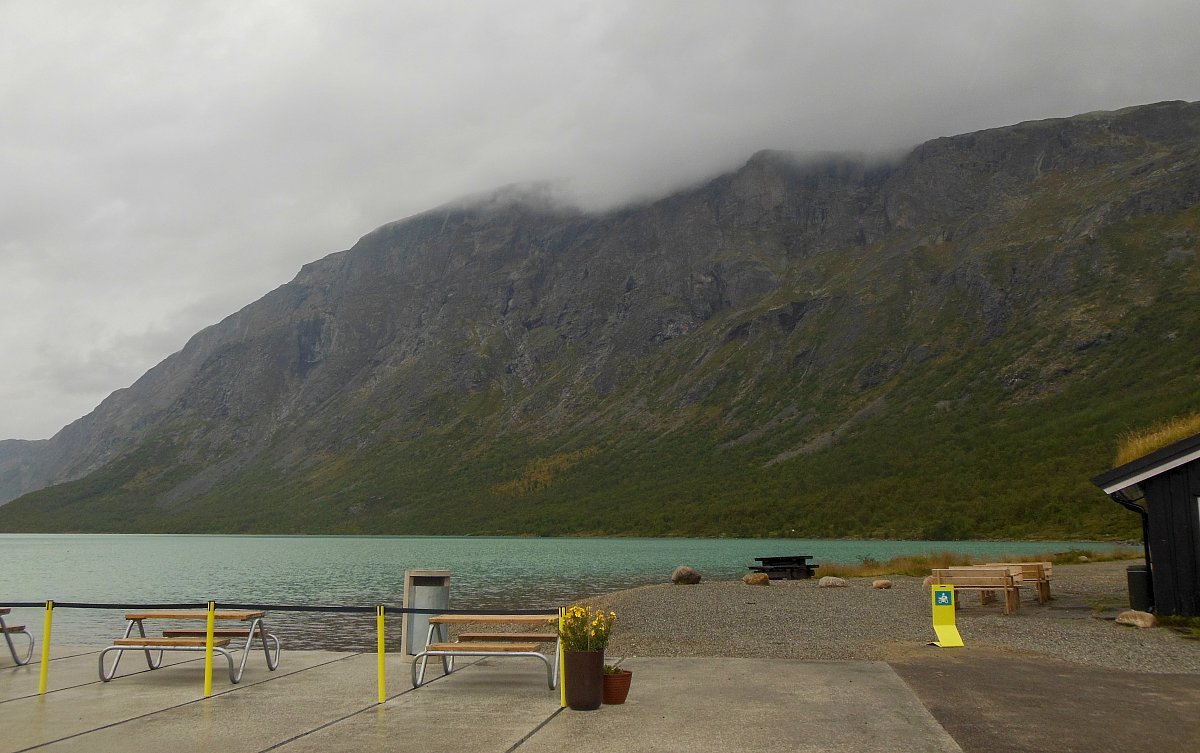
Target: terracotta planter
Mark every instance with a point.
(584, 679)
(616, 687)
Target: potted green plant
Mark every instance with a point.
(584, 633)
(616, 684)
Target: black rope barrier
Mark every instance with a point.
(347, 609)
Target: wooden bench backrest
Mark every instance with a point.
(975, 577)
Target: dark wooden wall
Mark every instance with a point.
(1175, 539)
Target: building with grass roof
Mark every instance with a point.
(1163, 486)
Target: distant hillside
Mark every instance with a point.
(945, 346)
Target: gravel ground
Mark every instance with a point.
(797, 620)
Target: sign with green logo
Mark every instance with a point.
(943, 618)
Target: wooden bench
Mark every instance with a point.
(169, 642)
(9, 631)
(478, 646)
(495, 644)
(1038, 573)
(986, 580)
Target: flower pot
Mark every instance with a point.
(584, 679)
(616, 687)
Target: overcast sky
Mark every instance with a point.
(163, 164)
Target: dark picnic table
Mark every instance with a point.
(795, 567)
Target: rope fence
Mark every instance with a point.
(347, 609)
(379, 610)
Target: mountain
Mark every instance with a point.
(945, 345)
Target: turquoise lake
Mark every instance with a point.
(486, 573)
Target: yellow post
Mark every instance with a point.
(381, 650)
(45, 648)
(943, 618)
(208, 648)
(562, 664)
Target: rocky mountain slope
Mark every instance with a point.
(942, 346)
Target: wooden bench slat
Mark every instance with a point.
(201, 633)
(167, 642)
(521, 637)
(14, 629)
(482, 646)
(495, 619)
(5, 610)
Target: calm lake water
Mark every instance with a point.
(486, 573)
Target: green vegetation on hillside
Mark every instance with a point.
(947, 350)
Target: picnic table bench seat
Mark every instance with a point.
(484, 644)
(521, 637)
(169, 642)
(9, 631)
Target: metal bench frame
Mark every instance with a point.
(235, 674)
(12, 647)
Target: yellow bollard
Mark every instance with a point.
(382, 651)
(562, 665)
(208, 648)
(45, 648)
(943, 618)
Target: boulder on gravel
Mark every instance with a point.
(928, 581)
(1137, 619)
(757, 579)
(830, 581)
(685, 576)
(882, 583)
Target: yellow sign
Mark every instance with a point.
(943, 618)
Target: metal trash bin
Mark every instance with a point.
(1138, 577)
(423, 589)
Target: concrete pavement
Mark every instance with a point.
(322, 701)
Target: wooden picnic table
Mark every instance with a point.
(193, 639)
(494, 644)
(792, 567)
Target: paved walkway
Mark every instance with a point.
(322, 701)
(935, 701)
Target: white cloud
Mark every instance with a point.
(167, 163)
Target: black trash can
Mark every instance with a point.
(1139, 587)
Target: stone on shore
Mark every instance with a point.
(757, 579)
(685, 576)
(830, 581)
(928, 581)
(882, 583)
(1137, 619)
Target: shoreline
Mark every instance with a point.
(798, 620)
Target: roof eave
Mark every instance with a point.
(1158, 462)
